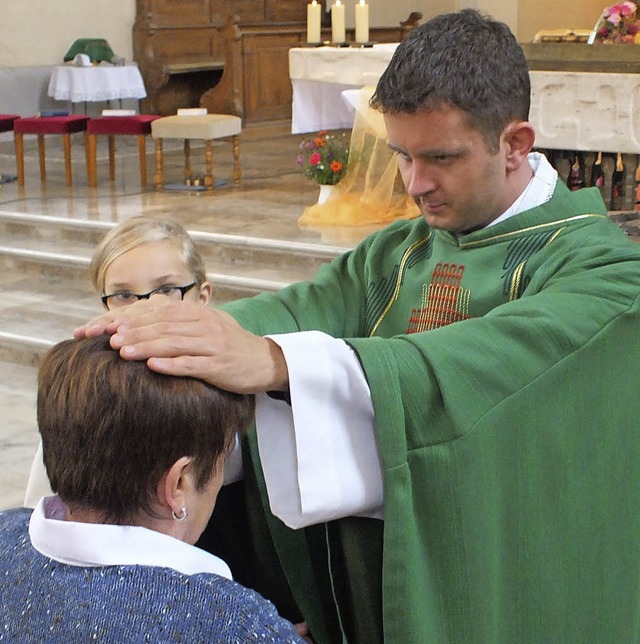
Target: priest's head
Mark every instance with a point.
(455, 99)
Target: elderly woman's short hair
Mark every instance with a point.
(111, 427)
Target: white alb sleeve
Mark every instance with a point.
(320, 455)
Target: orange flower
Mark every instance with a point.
(335, 166)
(320, 142)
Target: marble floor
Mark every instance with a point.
(46, 292)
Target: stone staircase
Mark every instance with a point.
(47, 292)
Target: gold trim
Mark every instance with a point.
(516, 278)
(396, 290)
(526, 230)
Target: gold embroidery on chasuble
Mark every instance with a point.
(444, 301)
(519, 251)
(382, 295)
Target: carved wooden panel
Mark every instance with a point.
(248, 11)
(187, 44)
(285, 11)
(267, 88)
(169, 13)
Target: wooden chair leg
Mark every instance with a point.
(209, 179)
(187, 159)
(159, 178)
(237, 168)
(92, 164)
(41, 162)
(142, 153)
(112, 157)
(18, 141)
(66, 142)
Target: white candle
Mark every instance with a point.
(362, 22)
(338, 33)
(313, 22)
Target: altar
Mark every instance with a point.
(319, 75)
(572, 111)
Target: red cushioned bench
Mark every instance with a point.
(41, 126)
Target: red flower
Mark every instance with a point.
(324, 157)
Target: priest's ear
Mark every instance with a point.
(518, 139)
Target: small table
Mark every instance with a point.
(96, 83)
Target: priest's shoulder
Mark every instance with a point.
(398, 233)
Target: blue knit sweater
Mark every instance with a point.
(46, 601)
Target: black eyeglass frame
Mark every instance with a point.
(145, 296)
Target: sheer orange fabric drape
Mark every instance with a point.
(371, 191)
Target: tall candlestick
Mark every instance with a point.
(362, 22)
(338, 33)
(313, 22)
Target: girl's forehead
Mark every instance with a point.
(148, 261)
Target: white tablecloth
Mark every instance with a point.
(96, 83)
(319, 75)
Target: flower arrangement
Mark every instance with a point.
(324, 158)
(618, 24)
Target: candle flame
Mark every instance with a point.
(338, 3)
(362, 2)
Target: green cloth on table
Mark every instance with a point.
(96, 48)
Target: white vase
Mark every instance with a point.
(326, 192)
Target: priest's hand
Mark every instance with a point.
(189, 339)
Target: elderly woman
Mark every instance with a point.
(136, 462)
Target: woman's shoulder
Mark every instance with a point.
(14, 520)
(212, 603)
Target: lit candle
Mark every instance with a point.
(362, 22)
(338, 33)
(313, 22)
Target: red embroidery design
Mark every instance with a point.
(443, 300)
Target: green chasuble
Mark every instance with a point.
(502, 366)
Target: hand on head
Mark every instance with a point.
(187, 339)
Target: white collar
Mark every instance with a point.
(92, 544)
(538, 191)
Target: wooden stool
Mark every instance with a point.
(206, 127)
(138, 125)
(41, 126)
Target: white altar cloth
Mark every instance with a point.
(320, 74)
(96, 83)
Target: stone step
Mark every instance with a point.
(50, 293)
(33, 257)
(222, 253)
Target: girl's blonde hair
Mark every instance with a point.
(137, 231)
